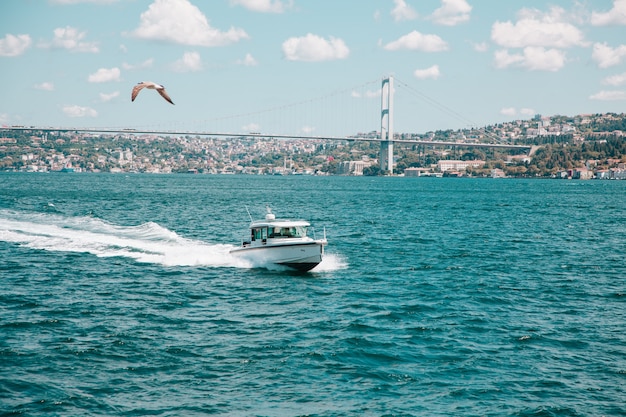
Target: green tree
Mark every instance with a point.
(372, 171)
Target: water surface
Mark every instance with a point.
(437, 297)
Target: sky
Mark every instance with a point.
(308, 67)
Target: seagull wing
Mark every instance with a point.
(136, 91)
(164, 95)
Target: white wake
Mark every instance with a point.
(146, 243)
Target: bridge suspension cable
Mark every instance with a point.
(306, 117)
(445, 109)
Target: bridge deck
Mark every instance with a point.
(261, 135)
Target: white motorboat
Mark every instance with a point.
(281, 242)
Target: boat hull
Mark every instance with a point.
(301, 256)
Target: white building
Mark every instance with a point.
(354, 167)
(456, 165)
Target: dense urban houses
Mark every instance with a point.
(579, 147)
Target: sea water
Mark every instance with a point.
(436, 297)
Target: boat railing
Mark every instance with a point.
(312, 229)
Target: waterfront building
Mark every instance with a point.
(456, 165)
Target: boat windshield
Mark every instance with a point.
(288, 232)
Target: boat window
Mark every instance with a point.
(288, 232)
(282, 232)
(260, 233)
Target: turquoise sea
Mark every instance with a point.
(437, 297)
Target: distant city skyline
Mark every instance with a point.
(312, 68)
(581, 142)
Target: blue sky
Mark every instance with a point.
(308, 67)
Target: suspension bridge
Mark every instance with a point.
(385, 136)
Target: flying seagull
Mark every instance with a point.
(152, 86)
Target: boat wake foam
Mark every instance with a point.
(145, 243)
(331, 262)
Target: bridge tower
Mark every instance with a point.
(386, 125)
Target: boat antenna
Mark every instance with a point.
(249, 215)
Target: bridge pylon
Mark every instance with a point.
(386, 125)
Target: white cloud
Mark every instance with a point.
(508, 111)
(83, 1)
(615, 16)
(251, 127)
(532, 58)
(619, 79)
(307, 130)
(45, 86)
(480, 47)
(142, 65)
(452, 12)
(605, 56)
(542, 59)
(108, 97)
(366, 94)
(79, 111)
(104, 75)
(512, 111)
(264, 6)
(190, 62)
(12, 45)
(403, 11)
(419, 42)
(534, 28)
(314, 48)
(609, 95)
(248, 61)
(432, 72)
(71, 39)
(502, 59)
(181, 22)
